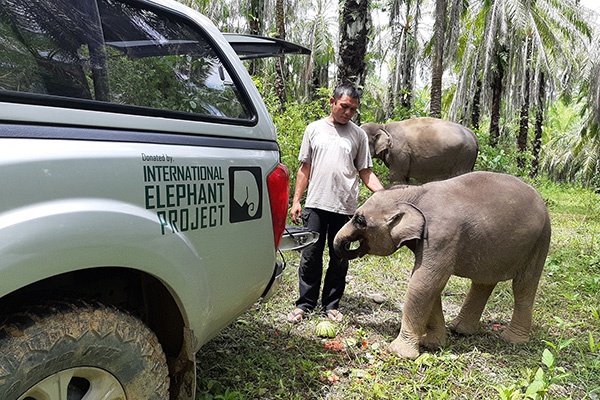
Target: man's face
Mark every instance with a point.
(343, 109)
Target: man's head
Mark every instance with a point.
(344, 103)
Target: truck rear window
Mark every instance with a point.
(116, 53)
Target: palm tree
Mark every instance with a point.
(355, 29)
(437, 70)
(536, 145)
(569, 156)
(553, 31)
(497, 84)
(590, 89)
(224, 14)
(316, 33)
(445, 41)
(255, 16)
(573, 152)
(405, 50)
(468, 61)
(524, 115)
(280, 61)
(522, 41)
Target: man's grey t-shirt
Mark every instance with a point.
(336, 154)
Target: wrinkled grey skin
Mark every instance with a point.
(425, 149)
(483, 226)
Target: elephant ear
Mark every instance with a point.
(382, 141)
(408, 223)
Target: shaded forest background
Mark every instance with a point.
(523, 74)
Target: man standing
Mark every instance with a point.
(333, 155)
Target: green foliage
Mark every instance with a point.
(500, 158)
(291, 123)
(217, 392)
(537, 385)
(372, 105)
(420, 106)
(567, 154)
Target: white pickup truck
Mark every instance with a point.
(142, 198)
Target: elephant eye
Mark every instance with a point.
(359, 221)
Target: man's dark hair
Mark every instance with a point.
(347, 89)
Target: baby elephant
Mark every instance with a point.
(484, 226)
(425, 149)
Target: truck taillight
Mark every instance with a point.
(279, 191)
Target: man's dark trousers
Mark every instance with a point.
(311, 263)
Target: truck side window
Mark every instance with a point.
(112, 51)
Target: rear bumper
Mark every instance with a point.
(275, 280)
(297, 238)
(294, 238)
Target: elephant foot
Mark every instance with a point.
(433, 340)
(403, 349)
(512, 336)
(459, 325)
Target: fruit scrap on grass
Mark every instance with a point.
(333, 345)
(326, 329)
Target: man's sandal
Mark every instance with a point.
(295, 315)
(334, 315)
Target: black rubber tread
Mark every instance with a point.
(44, 339)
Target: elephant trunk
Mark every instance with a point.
(343, 246)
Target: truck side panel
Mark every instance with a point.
(185, 214)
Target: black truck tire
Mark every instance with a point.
(72, 350)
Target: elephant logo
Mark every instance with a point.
(245, 194)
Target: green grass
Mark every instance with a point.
(262, 356)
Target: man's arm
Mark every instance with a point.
(370, 180)
(302, 178)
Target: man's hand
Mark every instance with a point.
(301, 184)
(295, 213)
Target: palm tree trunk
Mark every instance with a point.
(405, 15)
(539, 123)
(354, 37)
(408, 65)
(476, 108)
(392, 90)
(497, 86)
(439, 29)
(280, 62)
(255, 21)
(524, 117)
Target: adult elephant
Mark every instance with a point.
(484, 226)
(425, 149)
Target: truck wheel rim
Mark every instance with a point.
(77, 384)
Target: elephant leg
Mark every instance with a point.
(467, 320)
(421, 297)
(520, 324)
(398, 177)
(435, 336)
